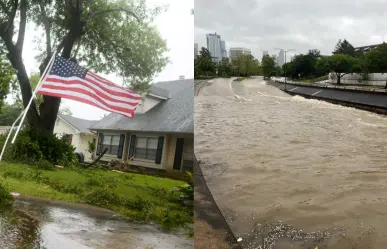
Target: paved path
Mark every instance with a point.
(211, 229)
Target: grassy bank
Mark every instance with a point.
(137, 197)
(241, 79)
(313, 80)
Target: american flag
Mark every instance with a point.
(70, 81)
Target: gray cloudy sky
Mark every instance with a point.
(298, 24)
(176, 26)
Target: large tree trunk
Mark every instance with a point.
(338, 79)
(50, 107)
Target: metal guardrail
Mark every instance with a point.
(362, 89)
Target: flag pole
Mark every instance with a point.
(48, 67)
(9, 135)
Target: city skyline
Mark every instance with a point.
(239, 29)
(216, 46)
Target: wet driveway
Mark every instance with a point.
(41, 226)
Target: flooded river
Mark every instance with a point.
(288, 172)
(36, 225)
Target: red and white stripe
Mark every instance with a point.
(93, 90)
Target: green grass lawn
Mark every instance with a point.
(137, 197)
(314, 80)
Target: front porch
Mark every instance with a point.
(172, 152)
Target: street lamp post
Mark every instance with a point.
(288, 50)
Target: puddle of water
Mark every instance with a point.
(36, 226)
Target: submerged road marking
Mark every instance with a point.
(293, 89)
(317, 92)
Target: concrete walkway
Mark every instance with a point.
(211, 229)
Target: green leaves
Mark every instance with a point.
(344, 47)
(7, 75)
(246, 65)
(114, 41)
(204, 66)
(340, 63)
(268, 66)
(376, 59)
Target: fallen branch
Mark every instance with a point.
(98, 158)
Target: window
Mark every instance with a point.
(111, 143)
(146, 148)
(68, 138)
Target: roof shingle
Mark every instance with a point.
(175, 114)
(82, 125)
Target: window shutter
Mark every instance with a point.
(159, 152)
(132, 145)
(178, 153)
(99, 145)
(121, 146)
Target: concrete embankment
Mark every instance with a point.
(375, 101)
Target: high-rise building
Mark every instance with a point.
(275, 58)
(214, 46)
(223, 48)
(281, 58)
(265, 52)
(196, 50)
(234, 53)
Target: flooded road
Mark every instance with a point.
(40, 226)
(287, 171)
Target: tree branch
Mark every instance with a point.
(93, 15)
(11, 17)
(47, 27)
(4, 8)
(22, 26)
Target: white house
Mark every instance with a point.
(4, 129)
(77, 132)
(161, 133)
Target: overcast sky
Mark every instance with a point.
(176, 26)
(299, 24)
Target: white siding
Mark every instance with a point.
(84, 145)
(4, 129)
(62, 127)
(374, 79)
(147, 103)
(79, 141)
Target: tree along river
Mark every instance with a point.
(288, 171)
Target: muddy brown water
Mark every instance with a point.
(36, 225)
(289, 172)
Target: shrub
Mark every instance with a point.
(98, 182)
(139, 204)
(34, 147)
(102, 198)
(13, 174)
(188, 191)
(5, 196)
(45, 165)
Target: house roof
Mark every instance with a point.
(175, 114)
(366, 47)
(158, 91)
(82, 125)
